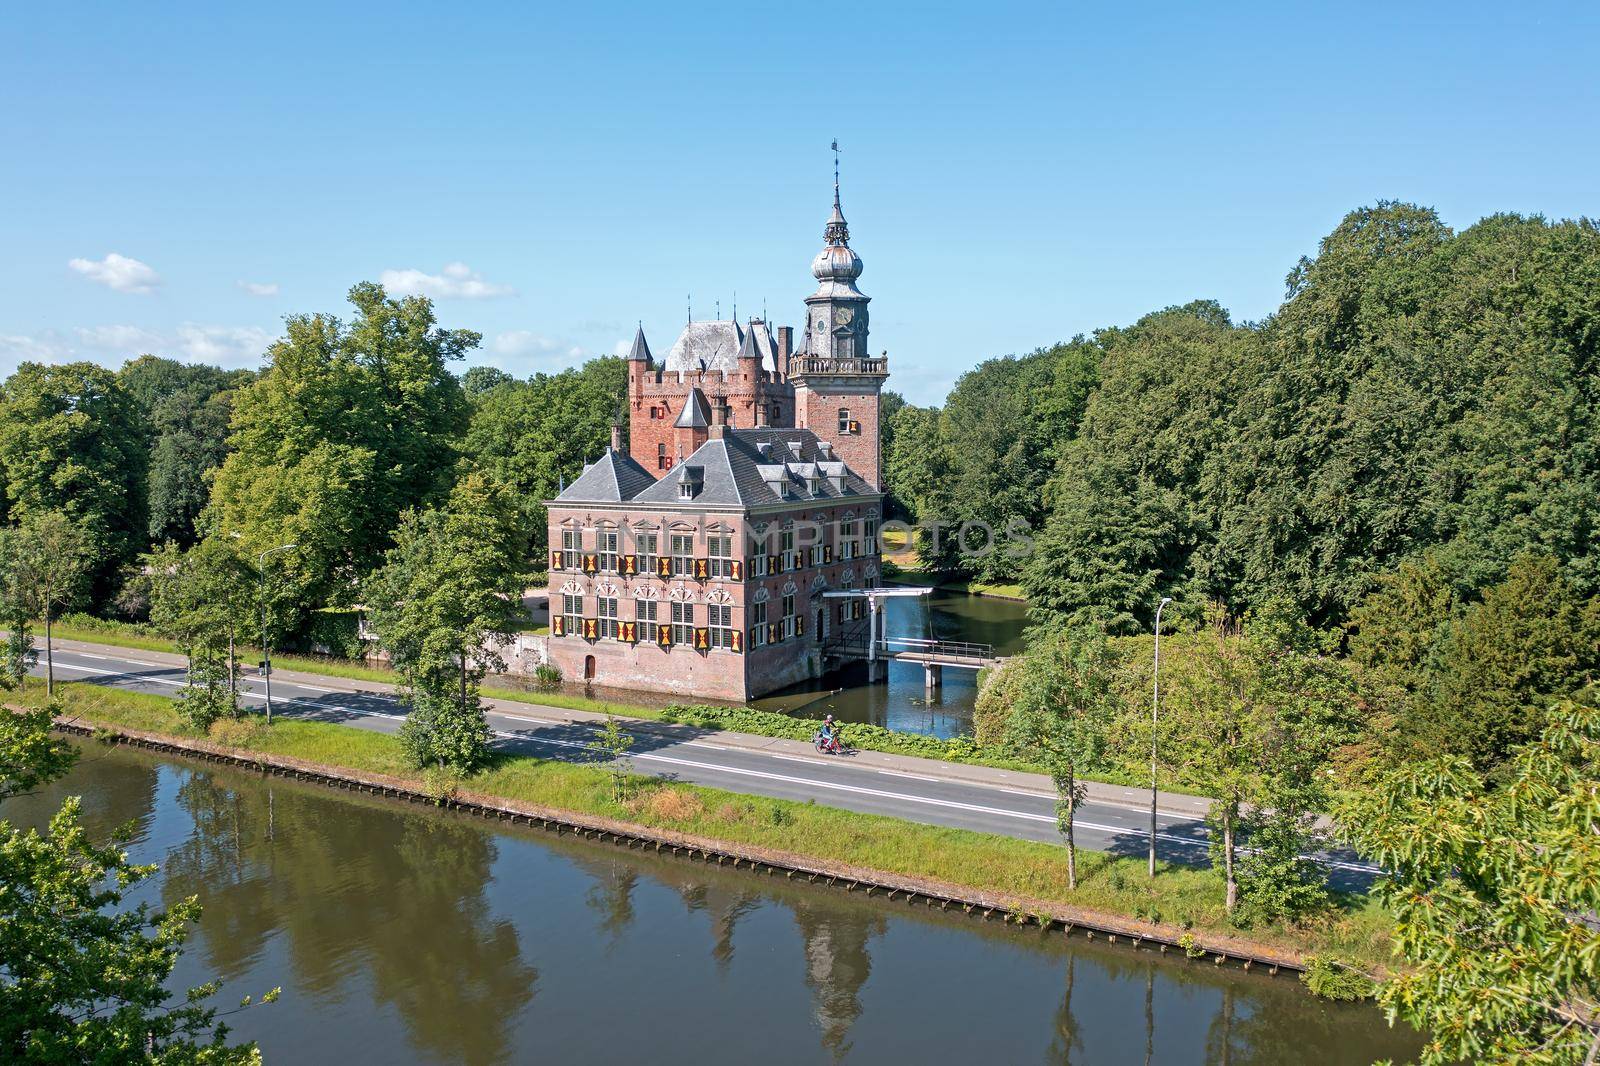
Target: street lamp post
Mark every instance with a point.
(266, 646)
(1155, 705)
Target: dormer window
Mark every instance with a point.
(814, 485)
(686, 490)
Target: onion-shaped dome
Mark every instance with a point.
(836, 262)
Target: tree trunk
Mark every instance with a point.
(1066, 808)
(49, 654)
(233, 674)
(1227, 859)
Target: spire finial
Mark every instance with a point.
(836, 232)
(836, 173)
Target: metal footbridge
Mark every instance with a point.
(861, 641)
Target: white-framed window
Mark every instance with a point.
(608, 617)
(758, 566)
(791, 558)
(720, 548)
(644, 613)
(606, 542)
(645, 545)
(720, 619)
(682, 623)
(788, 614)
(844, 420)
(870, 546)
(847, 538)
(682, 555)
(758, 624)
(572, 613)
(572, 547)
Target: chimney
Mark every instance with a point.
(785, 345)
(616, 436)
(719, 419)
(761, 412)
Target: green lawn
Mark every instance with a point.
(1179, 897)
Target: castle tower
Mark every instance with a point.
(837, 381)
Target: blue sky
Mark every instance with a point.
(1013, 174)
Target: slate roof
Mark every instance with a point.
(640, 349)
(613, 478)
(716, 346)
(734, 473)
(696, 413)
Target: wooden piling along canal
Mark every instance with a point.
(988, 906)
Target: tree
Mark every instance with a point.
(480, 379)
(49, 561)
(186, 408)
(1493, 893)
(529, 435)
(1062, 709)
(71, 441)
(17, 655)
(448, 593)
(350, 425)
(85, 973)
(1001, 430)
(1255, 712)
(1532, 639)
(200, 599)
(1128, 508)
(611, 744)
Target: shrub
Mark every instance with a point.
(1332, 979)
(546, 677)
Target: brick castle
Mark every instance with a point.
(697, 561)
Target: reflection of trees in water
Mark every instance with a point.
(724, 901)
(353, 888)
(611, 895)
(837, 965)
(1066, 1039)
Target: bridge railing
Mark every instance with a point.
(856, 643)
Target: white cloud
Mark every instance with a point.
(223, 345)
(118, 272)
(623, 347)
(118, 338)
(522, 343)
(260, 288)
(456, 280)
(16, 349)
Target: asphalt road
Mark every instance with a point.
(918, 790)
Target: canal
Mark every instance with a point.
(902, 703)
(404, 935)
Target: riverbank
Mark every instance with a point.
(1001, 875)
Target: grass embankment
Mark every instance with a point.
(1180, 898)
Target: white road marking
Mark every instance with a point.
(914, 777)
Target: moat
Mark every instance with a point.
(903, 703)
(405, 935)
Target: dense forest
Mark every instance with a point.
(1421, 397)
